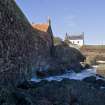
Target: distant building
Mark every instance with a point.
(75, 40)
(45, 32)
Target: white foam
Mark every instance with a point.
(69, 75)
(102, 87)
(35, 79)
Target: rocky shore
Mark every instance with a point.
(24, 54)
(23, 51)
(66, 92)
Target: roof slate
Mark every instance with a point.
(81, 37)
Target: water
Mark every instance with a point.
(69, 75)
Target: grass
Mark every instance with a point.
(94, 46)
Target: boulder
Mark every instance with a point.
(69, 57)
(91, 79)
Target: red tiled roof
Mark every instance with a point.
(41, 27)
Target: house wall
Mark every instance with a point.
(78, 42)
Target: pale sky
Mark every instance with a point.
(72, 16)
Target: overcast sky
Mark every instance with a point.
(72, 16)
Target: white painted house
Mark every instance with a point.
(76, 40)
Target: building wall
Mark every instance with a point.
(77, 42)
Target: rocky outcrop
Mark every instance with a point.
(69, 56)
(21, 48)
(66, 92)
(96, 83)
(64, 59)
(23, 51)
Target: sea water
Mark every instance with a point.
(69, 75)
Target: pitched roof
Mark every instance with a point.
(76, 37)
(41, 27)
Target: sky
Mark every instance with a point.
(71, 16)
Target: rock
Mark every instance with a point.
(100, 82)
(68, 57)
(21, 48)
(24, 85)
(41, 74)
(91, 79)
(56, 69)
(97, 83)
(62, 62)
(66, 92)
(21, 98)
(43, 101)
(86, 66)
(76, 67)
(98, 75)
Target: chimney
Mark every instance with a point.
(49, 21)
(83, 38)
